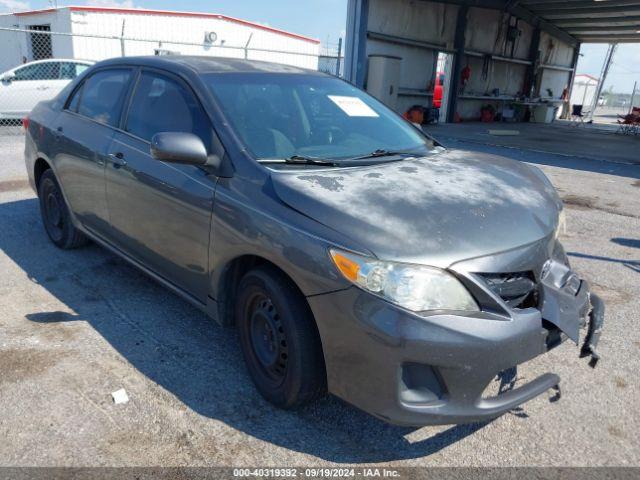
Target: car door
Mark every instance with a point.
(160, 213)
(29, 85)
(83, 131)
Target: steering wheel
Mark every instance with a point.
(331, 135)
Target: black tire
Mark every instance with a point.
(55, 214)
(279, 339)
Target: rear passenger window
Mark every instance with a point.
(75, 100)
(161, 104)
(101, 96)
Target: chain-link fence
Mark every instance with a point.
(612, 108)
(38, 63)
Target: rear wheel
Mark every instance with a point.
(279, 339)
(55, 214)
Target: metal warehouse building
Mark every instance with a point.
(94, 33)
(501, 53)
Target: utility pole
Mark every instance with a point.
(633, 96)
(603, 75)
(122, 39)
(246, 46)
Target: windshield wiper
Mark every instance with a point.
(381, 152)
(301, 160)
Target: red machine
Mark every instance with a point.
(438, 90)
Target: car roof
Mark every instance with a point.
(208, 64)
(48, 60)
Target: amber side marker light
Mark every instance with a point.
(348, 267)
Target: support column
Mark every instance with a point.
(361, 51)
(338, 59)
(534, 58)
(355, 52)
(458, 45)
(574, 65)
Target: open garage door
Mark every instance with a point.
(512, 60)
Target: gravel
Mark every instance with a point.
(76, 326)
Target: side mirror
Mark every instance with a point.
(7, 77)
(180, 147)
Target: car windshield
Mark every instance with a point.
(310, 117)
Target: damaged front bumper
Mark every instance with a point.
(415, 370)
(569, 304)
(594, 329)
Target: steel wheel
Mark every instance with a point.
(55, 214)
(268, 341)
(52, 204)
(279, 338)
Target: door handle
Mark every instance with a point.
(42, 87)
(58, 133)
(117, 159)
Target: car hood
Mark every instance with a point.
(435, 210)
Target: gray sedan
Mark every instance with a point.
(353, 253)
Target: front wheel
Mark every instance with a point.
(55, 214)
(279, 339)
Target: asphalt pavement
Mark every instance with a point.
(76, 326)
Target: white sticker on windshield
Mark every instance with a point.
(353, 106)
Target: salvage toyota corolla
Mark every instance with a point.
(353, 253)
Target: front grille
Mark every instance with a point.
(517, 289)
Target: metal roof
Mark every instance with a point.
(591, 21)
(573, 21)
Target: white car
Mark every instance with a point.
(23, 87)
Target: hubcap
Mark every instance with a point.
(268, 341)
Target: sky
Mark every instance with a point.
(624, 70)
(325, 20)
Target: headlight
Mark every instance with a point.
(414, 287)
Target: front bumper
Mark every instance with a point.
(427, 370)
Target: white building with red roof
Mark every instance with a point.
(584, 90)
(96, 33)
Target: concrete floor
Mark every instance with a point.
(608, 116)
(78, 325)
(558, 138)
